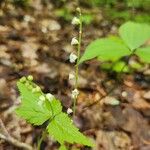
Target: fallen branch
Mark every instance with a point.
(6, 136)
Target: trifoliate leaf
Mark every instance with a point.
(62, 130)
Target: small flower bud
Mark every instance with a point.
(37, 89)
(33, 90)
(72, 57)
(30, 77)
(75, 93)
(75, 21)
(74, 41)
(42, 98)
(23, 79)
(30, 87)
(71, 76)
(69, 111)
(49, 96)
(78, 9)
(27, 84)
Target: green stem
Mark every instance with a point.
(41, 139)
(77, 64)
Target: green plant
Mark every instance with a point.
(132, 38)
(38, 108)
(77, 21)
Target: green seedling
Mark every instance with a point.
(37, 107)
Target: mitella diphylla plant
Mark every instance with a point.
(39, 108)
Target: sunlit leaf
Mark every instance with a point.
(134, 34)
(105, 49)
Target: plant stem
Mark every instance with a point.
(41, 139)
(77, 64)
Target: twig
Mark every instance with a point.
(6, 136)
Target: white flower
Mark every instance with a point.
(75, 21)
(71, 76)
(69, 111)
(49, 96)
(74, 41)
(72, 57)
(30, 77)
(75, 93)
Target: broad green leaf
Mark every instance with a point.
(134, 34)
(62, 130)
(144, 54)
(30, 108)
(105, 49)
(27, 94)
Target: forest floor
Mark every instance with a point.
(39, 44)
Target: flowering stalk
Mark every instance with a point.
(77, 63)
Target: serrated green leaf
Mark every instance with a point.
(60, 126)
(30, 108)
(62, 130)
(105, 49)
(144, 54)
(26, 94)
(134, 34)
